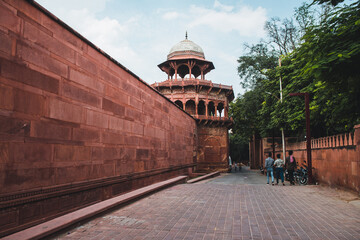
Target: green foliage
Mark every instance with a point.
(332, 2)
(324, 64)
(253, 66)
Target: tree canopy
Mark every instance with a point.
(320, 54)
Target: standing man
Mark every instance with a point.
(269, 163)
(279, 169)
(290, 165)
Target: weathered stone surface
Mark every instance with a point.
(74, 124)
(21, 73)
(65, 111)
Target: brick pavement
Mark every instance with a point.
(224, 208)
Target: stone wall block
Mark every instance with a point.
(110, 78)
(138, 129)
(46, 40)
(132, 141)
(101, 170)
(40, 58)
(97, 119)
(107, 153)
(6, 41)
(6, 97)
(95, 55)
(86, 80)
(86, 64)
(130, 89)
(136, 103)
(22, 179)
(86, 135)
(41, 129)
(116, 94)
(30, 103)
(30, 153)
(116, 123)
(128, 125)
(149, 131)
(69, 153)
(115, 108)
(112, 138)
(72, 174)
(132, 114)
(81, 95)
(21, 73)
(8, 19)
(64, 111)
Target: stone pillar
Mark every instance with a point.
(357, 137)
(196, 107)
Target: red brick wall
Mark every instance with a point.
(213, 148)
(75, 126)
(336, 159)
(335, 166)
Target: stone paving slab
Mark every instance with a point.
(219, 209)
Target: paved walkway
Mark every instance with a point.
(232, 206)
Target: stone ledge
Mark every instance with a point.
(54, 225)
(13, 199)
(210, 175)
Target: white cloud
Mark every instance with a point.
(107, 33)
(246, 21)
(91, 5)
(171, 15)
(223, 7)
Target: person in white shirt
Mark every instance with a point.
(279, 169)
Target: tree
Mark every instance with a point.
(332, 2)
(253, 66)
(327, 61)
(244, 112)
(323, 63)
(283, 34)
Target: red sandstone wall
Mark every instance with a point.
(336, 159)
(212, 148)
(335, 166)
(72, 119)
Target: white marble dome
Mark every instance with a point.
(186, 47)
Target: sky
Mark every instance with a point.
(140, 33)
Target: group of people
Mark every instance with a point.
(279, 166)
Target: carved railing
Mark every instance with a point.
(204, 117)
(339, 140)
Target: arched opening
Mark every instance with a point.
(190, 107)
(211, 109)
(201, 108)
(220, 109)
(196, 71)
(183, 70)
(179, 103)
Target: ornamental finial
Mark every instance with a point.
(186, 35)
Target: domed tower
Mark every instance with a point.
(208, 102)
